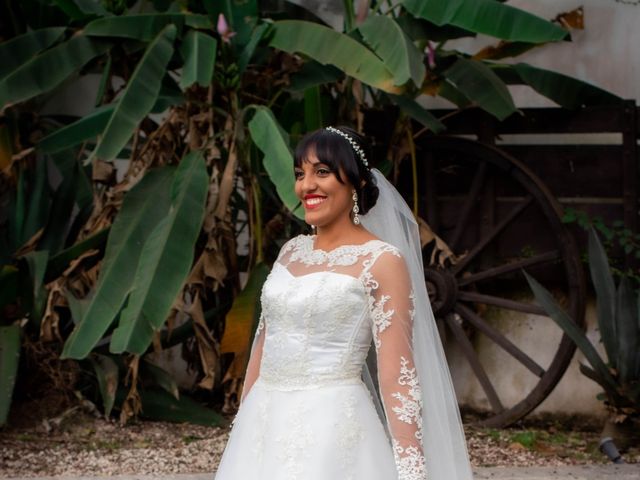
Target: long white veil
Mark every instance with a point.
(444, 443)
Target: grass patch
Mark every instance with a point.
(527, 439)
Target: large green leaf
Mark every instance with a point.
(566, 91)
(9, 280)
(314, 109)
(199, 54)
(95, 122)
(627, 331)
(144, 27)
(387, 39)
(37, 75)
(418, 112)
(22, 48)
(273, 141)
(247, 53)
(9, 355)
(165, 260)
(77, 132)
(161, 405)
(142, 210)
(421, 29)
(54, 234)
(488, 17)
(605, 296)
(37, 262)
(568, 326)
(107, 374)
(481, 85)
(161, 377)
(330, 47)
(139, 95)
(81, 9)
(37, 202)
(312, 74)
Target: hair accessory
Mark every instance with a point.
(356, 209)
(352, 142)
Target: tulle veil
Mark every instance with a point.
(444, 443)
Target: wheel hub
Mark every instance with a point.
(443, 290)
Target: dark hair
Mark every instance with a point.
(337, 154)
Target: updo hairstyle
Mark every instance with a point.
(337, 154)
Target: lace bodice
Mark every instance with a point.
(320, 312)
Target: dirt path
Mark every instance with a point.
(79, 444)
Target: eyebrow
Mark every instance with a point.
(313, 164)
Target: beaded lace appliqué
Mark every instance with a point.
(344, 255)
(410, 410)
(410, 462)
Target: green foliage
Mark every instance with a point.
(327, 46)
(9, 355)
(143, 209)
(488, 17)
(199, 54)
(188, 145)
(480, 84)
(107, 374)
(165, 260)
(274, 143)
(619, 324)
(18, 50)
(35, 76)
(387, 39)
(616, 236)
(139, 96)
(161, 405)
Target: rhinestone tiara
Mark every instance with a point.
(352, 142)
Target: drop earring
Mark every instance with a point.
(356, 209)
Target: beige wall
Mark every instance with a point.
(539, 338)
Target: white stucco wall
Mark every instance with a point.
(538, 337)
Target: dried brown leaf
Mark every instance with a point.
(132, 404)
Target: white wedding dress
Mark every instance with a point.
(309, 416)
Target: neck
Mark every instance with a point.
(337, 233)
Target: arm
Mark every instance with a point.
(392, 322)
(253, 367)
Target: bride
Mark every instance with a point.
(310, 410)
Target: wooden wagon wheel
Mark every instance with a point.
(497, 218)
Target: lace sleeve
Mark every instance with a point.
(392, 311)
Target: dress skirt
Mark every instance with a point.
(322, 433)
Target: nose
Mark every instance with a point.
(308, 183)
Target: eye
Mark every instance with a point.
(323, 171)
(298, 173)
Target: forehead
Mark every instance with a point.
(310, 158)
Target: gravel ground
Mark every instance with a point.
(78, 444)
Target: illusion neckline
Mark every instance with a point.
(312, 245)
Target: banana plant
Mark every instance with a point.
(618, 310)
(123, 224)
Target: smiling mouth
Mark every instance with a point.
(313, 202)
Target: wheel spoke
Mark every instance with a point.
(510, 267)
(469, 203)
(501, 302)
(517, 210)
(500, 339)
(476, 366)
